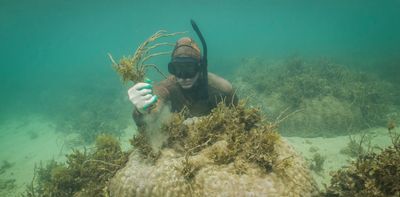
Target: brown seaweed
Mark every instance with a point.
(133, 68)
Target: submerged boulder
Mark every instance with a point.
(231, 152)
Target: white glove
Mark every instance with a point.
(141, 95)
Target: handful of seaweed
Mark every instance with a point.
(133, 68)
(230, 152)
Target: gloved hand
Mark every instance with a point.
(141, 95)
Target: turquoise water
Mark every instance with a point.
(54, 53)
(51, 49)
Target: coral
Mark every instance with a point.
(133, 68)
(232, 151)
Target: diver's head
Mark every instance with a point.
(185, 62)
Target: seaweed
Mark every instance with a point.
(317, 162)
(83, 174)
(133, 68)
(313, 149)
(229, 134)
(5, 166)
(175, 128)
(220, 153)
(260, 149)
(332, 98)
(372, 174)
(241, 166)
(141, 143)
(395, 137)
(189, 169)
(7, 184)
(356, 148)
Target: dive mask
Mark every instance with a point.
(184, 67)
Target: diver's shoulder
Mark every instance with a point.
(166, 86)
(219, 83)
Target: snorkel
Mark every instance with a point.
(203, 62)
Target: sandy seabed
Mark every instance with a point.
(26, 141)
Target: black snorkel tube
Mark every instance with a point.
(203, 62)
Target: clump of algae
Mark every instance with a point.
(243, 134)
(85, 173)
(133, 68)
(372, 174)
(141, 142)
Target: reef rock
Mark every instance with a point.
(165, 177)
(230, 152)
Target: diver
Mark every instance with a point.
(189, 86)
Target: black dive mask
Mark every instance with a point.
(184, 67)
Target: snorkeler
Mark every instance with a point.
(190, 85)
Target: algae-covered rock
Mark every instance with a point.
(231, 152)
(165, 178)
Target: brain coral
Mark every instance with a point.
(230, 152)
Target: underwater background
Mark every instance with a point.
(59, 90)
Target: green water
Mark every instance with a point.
(54, 59)
(52, 49)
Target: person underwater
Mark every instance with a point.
(189, 85)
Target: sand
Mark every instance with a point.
(330, 149)
(24, 143)
(27, 141)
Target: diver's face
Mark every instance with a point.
(186, 73)
(187, 83)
